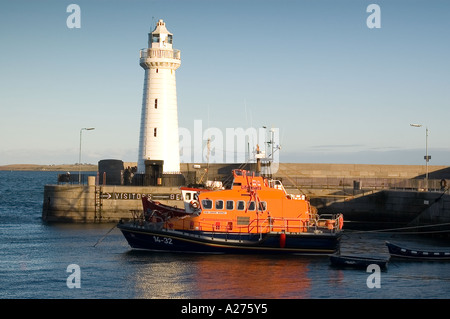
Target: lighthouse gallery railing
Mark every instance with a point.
(160, 53)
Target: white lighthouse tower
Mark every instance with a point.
(159, 140)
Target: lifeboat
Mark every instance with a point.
(254, 215)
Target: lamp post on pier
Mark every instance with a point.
(426, 157)
(79, 154)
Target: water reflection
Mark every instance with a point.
(159, 275)
(232, 276)
(167, 275)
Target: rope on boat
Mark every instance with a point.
(104, 236)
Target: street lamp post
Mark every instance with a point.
(79, 154)
(426, 157)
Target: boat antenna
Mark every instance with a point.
(207, 156)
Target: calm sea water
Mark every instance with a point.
(34, 257)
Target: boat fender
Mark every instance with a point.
(194, 204)
(282, 240)
(341, 221)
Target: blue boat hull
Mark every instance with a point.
(415, 254)
(139, 237)
(360, 262)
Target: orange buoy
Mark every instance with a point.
(282, 240)
(194, 204)
(341, 222)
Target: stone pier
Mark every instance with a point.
(102, 204)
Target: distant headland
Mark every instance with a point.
(53, 167)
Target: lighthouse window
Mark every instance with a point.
(169, 39)
(240, 205)
(154, 132)
(156, 103)
(155, 37)
(207, 204)
(219, 204)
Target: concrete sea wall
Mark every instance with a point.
(387, 209)
(360, 170)
(102, 204)
(373, 205)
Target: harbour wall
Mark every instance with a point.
(361, 170)
(414, 211)
(101, 204)
(310, 170)
(367, 195)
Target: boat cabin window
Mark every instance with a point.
(219, 204)
(230, 205)
(207, 204)
(240, 205)
(262, 206)
(187, 196)
(251, 205)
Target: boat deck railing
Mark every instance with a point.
(259, 228)
(322, 224)
(325, 223)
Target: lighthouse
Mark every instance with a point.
(159, 140)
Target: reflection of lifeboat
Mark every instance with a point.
(255, 215)
(250, 276)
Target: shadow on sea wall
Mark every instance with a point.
(391, 209)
